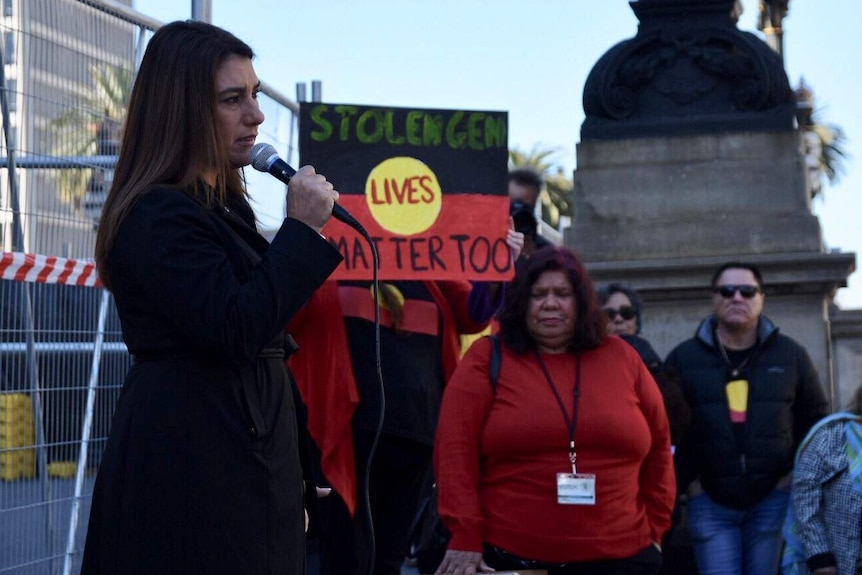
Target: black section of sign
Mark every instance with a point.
(466, 150)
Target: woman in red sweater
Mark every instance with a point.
(565, 462)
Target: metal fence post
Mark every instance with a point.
(86, 429)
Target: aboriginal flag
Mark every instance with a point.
(429, 185)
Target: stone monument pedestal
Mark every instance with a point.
(690, 158)
(712, 194)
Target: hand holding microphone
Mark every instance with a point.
(311, 198)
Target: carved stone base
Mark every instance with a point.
(720, 194)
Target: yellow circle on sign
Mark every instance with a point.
(403, 195)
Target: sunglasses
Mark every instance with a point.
(626, 312)
(729, 290)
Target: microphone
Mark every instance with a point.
(264, 158)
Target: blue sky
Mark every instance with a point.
(530, 58)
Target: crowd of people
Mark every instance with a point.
(562, 442)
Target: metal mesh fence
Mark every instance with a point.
(66, 75)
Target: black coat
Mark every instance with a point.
(785, 399)
(201, 471)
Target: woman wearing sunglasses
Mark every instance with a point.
(754, 393)
(622, 305)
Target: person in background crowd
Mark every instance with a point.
(525, 185)
(622, 304)
(677, 547)
(524, 218)
(822, 529)
(753, 393)
(420, 347)
(201, 472)
(564, 463)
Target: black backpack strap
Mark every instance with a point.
(496, 359)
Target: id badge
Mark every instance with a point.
(576, 489)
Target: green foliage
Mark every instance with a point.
(833, 151)
(87, 127)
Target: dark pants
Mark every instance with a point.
(677, 551)
(398, 474)
(646, 562)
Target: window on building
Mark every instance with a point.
(8, 47)
(11, 93)
(8, 7)
(13, 138)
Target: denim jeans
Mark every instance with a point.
(737, 541)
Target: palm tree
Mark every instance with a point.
(89, 129)
(559, 187)
(833, 151)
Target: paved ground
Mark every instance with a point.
(35, 517)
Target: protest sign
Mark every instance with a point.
(429, 186)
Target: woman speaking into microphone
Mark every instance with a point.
(201, 472)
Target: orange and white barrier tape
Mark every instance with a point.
(48, 269)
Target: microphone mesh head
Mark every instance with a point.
(261, 156)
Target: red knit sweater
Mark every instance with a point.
(498, 454)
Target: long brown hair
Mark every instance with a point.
(590, 322)
(171, 137)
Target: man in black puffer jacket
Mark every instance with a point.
(753, 394)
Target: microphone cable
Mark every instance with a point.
(366, 479)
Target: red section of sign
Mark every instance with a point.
(468, 241)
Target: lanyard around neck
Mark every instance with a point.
(571, 422)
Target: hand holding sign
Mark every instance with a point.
(515, 240)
